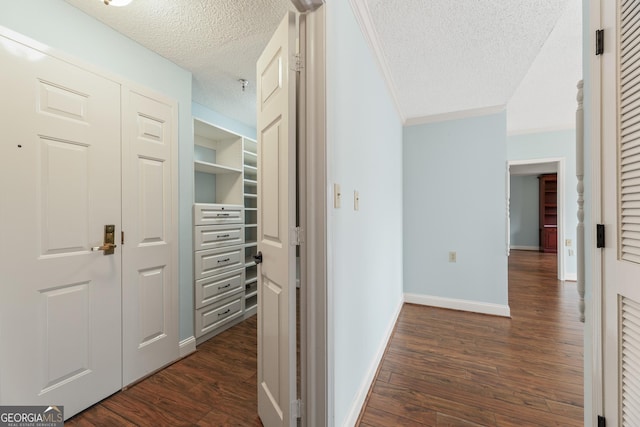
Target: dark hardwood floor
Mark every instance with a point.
(450, 368)
(215, 386)
(442, 368)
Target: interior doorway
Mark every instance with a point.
(522, 194)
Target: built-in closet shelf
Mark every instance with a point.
(250, 196)
(250, 154)
(250, 294)
(249, 264)
(251, 280)
(250, 168)
(250, 225)
(251, 182)
(213, 168)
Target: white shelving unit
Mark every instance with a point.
(250, 191)
(225, 229)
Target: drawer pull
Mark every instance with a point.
(223, 214)
(224, 260)
(227, 311)
(222, 236)
(224, 287)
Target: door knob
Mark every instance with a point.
(109, 239)
(258, 257)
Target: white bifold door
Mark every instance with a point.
(276, 83)
(621, 211)
(65, 147)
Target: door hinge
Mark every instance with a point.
(297, 237)
(599, 42)
(601, 421)
(297, 62)
(296, 408)
(599, 235)
(122, 237)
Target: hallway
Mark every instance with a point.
(451, 368)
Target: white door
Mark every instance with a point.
(276, 221)
(60, 314)
(150, 284)
(621, 212)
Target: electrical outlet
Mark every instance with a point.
(356, 200)
(568, 242)
(337, 196)
(452, 256)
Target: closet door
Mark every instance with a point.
(276, 223)
(149, 212)
(60, 293)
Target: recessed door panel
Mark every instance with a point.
(60, 164)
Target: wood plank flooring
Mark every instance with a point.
(449, 368)
(442, 368)
(215, 386)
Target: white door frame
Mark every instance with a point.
(560, 202)
(313, 221)
(594, 398)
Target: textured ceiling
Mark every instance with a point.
(445, 56)
(546, 98)
(439, 56)
(219, 41)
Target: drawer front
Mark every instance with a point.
(216, 315)
(216, 288)
(215, 261)
(209, 214)
(216, 236)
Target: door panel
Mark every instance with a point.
(150, 287)
(60, 315)
(276, 220)
(621, 213)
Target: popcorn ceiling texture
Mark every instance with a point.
(453, 55)
(219, 41)
(441, 56)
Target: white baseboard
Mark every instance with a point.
(571, 277)
(187, 346)
(524, 248)
(459, 304)
(361, 396)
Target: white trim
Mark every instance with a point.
(593, 202)
(363, 17)
(459, 304)
(525, 248)
(187, 346)
(318, 388)
(549, 129)
(454, 115)
(361, 395)
(571, 277)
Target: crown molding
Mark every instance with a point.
(455, 115)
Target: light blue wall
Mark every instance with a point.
(364, 137)
(67, 29)
(455, 200)
(561, 144)
(223, 122)
(524, 211)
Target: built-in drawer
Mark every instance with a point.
(216, 236)
(215, 315)
(216, 261)
(211, 214)
(216, 288)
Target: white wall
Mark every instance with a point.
(557, 145)
(524, 212)
(364, 137)
(67, 29)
